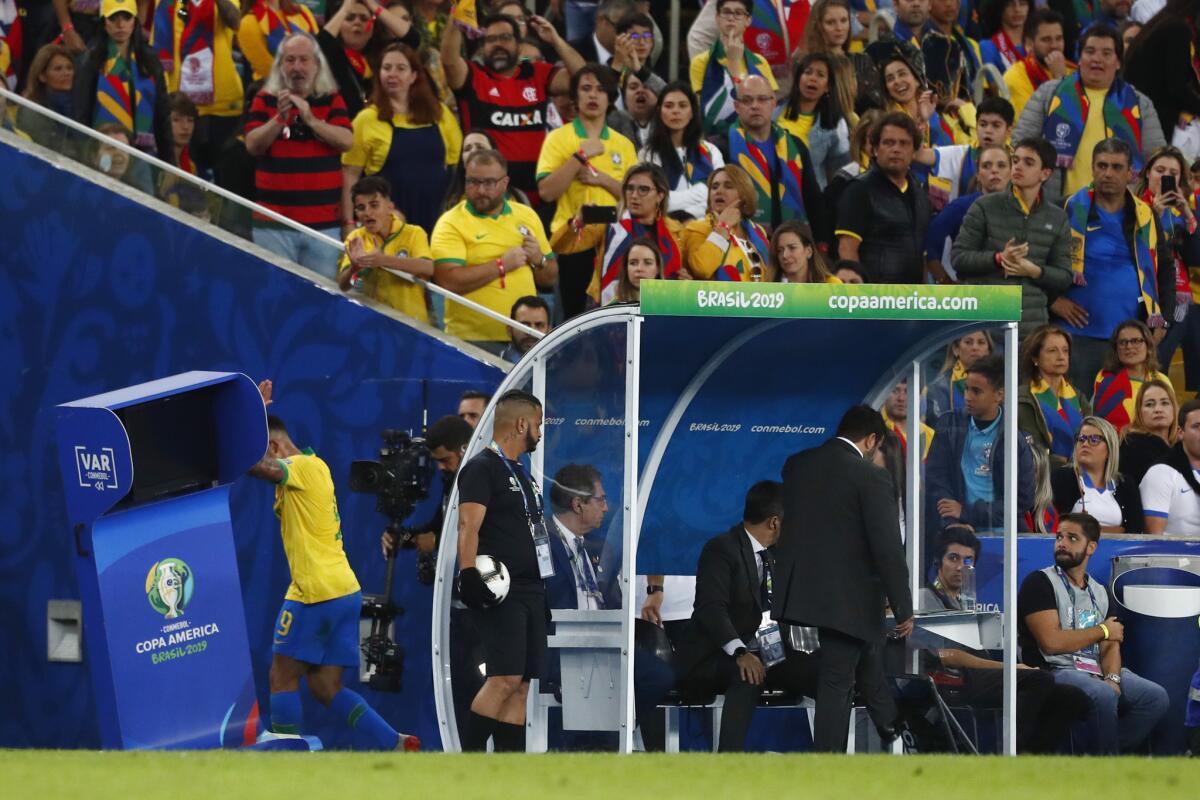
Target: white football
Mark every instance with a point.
(495, 576)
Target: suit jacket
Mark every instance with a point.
(839, 555)
(728, 600)
(560, 588)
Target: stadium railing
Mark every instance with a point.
(225, 209)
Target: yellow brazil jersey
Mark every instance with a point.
(798, 127)
(312, 531)
(218, 75)
(403, 241)
(1079, 174)
(373, 139)
(700, 65)
(562, 144)
(464, 237)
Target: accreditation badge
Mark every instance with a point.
(770, 642)
(541, 544)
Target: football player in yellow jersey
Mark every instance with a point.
(316, 635)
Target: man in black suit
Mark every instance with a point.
(720, 650)
(839, 555)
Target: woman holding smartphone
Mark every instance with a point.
(641, 214)
(1166, 186)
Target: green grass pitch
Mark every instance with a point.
(45, 775)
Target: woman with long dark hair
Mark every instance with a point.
(352, 40)
(1177, 230)
(642, 262)
(676, 143)
(407, 136)
(1003, 23)
(641, 214)
(828, 31)
(120, 81)
(814, 114)
(794, 257)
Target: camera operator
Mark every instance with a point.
(447, 441)
(501, 514)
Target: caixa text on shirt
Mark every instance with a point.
(517, 119)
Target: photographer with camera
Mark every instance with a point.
(447, 441)
(316, 635)
(500, 515)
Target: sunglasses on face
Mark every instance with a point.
(1092, 439)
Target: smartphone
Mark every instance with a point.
(598, 215)
(1169, 184)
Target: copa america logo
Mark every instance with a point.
(1060, 132)
(169, 587)
(763, 40)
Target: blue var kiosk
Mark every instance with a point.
(146, 473)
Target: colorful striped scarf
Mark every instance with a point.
(958, 386)
(716, 92)
(275, 25)
(697, 166)
(126, 97)
(162, 34)
(784, 181)
(1010, 53)
(735, 266)
(1068, 116)
(1145, 246)
(1116, 392)
(1062, 413)
(617, 239)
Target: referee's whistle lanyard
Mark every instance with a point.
(537, 524)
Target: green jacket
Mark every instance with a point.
(991, 221)
(1032, 422)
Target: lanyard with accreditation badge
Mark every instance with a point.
(1083, 619)
(537, 526)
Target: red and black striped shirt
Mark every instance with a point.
(513, 111)
(300, 176)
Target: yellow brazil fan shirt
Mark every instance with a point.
(561, 145)
(464, 237)
(312, 531)
(403, 241)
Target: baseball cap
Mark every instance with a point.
(110, 7)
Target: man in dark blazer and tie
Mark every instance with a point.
(839, 562)
(719, 650)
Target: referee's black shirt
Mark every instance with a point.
(505, 532)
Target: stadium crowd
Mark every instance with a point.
(542, 166)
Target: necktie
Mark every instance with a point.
(586, 574)
(768, 579)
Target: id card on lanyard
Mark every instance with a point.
(537, 523)
(1088, 659)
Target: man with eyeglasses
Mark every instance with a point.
(502, 95)
(1114, 261)
(491, 250)
(717, 74)
(1171, 490)
(777, 162)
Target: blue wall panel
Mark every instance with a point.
(97, 293)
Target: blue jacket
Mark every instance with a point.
(944, 478)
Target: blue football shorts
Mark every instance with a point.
(323, 634)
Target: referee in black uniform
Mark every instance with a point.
(500, 515)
